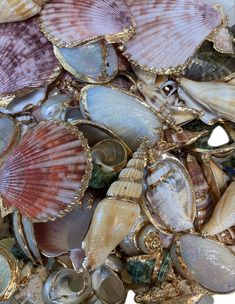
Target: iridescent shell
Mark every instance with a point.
(169, 194)
(84, 21)
(47, 173)
(11, 11)
(27, 58)
(94, 62)
(206, 262)
(162, 55)
(53, 108)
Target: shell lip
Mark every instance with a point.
(182, 263)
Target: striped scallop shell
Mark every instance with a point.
(11, 11)
(47, 173)
(169, 32)
(27, 58)
(70, 22)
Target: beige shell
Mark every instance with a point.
(117, 213)
(218, 97)
(223, 216)
(11, 11)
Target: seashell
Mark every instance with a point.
(217, 97)
(223, 216)
(9, 274)
(142, 238)
(228, 8)
(227, 236)
(165, 266)
(216, 178)
(11, 11)
(157, 54)
(94, 62)
(67, 286)
(36, 65)
(131, 119)
(146, 76)
(199, 259)
(204, 203)
(107, 286)
(47, 173)
(120, 207)
(115, 263)
(223, 41)
(168, 181)
(9, 134)
(109, 158)
(61, 236)
(206, 299)
(209, 65)
(72, 113)
(88, 20)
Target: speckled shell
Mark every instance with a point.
(27, 58)
(47, 173)
(11, 11)
(69, 22)
(177, 20)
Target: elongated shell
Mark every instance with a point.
(36, 64)
(217, 97)
(169, 194)
(223, 216)
(94, 62)
(84, 21)
(120, 207)
(47, 173)
(122, 112)
(11, 11)
(154, 20)
(205, 261)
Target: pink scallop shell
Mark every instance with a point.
(168, 32)
(70, 22)
(27, 58)
(47, 173)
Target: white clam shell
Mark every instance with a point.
(122, 112)
(207, 262)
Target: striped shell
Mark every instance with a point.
(16, 10)
(27, 58)
(47, 173)
(169, 32)
(70, 22)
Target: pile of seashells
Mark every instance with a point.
(110, 177)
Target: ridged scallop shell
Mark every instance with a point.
(120, 207)
(186, 24)
(71, 22)
(27, 58)
(223, 216)
(122, 112)
(169, 194)
(47, 173)
(11, 11)
(206, 262)
(218, 97)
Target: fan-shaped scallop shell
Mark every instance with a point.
(169, 32)
(70, 22)
(27, 58)
(47, 173)
(11, 11)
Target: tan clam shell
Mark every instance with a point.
(223, 216)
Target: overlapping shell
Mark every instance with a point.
(47, 173)
(166, 49)
(71, 22)
(27, 58)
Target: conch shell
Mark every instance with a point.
(119, 211)
(223, 216)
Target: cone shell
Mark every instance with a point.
(68, 23)
(223, 216)
(218, 97)
(118, 211)
(11, 11)
(47, 173)
(156, 20)
(27, 58)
